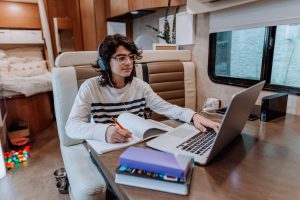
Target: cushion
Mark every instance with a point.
(2, 54)
(14, 59)
(28, 69)
(4, 66)
(32, 58)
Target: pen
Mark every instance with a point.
(119, 125)
(116, 122)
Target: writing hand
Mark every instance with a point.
(115, 134)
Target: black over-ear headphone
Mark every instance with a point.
(101, 62)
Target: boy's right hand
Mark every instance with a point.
(115, 134)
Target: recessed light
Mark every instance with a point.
(135, 12)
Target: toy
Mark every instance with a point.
(13, 158)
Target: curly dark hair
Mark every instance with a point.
(108, 47)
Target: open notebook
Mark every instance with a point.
(140, 128)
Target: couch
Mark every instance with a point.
(175, 84)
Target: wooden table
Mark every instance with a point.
(262, 163)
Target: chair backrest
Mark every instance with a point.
(170, 73)
(72, 69)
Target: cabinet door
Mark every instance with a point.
(116, 7)
(146, 4)
(119, 7)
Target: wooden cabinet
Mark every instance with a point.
(64, 35)
(35, 110)
(93, 23)
(116, 7)
(148, 4)
(83, 23)
(119, 7)
(64, 23)
(19, 15)
(88, 27)
(57, 13)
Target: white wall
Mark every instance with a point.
(142, 34)
(205, 87)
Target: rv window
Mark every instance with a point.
(239, 53)
(244, 57)
(286, 60)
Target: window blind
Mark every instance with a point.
(256, 14)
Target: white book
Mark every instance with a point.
(141, 129)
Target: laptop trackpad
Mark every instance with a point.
(181, 132)
(167, 142)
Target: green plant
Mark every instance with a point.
(165, 34)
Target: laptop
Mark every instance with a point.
(203, 146)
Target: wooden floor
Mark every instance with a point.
(34, 179)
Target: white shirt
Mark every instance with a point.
(95, 105)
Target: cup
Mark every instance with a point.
(60, 174)
(63, 185)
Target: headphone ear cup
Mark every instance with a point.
(102, 64)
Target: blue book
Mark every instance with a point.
(156, 161)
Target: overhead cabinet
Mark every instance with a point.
(120, 7)
(147, 4)
(116, 7)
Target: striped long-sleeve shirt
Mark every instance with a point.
(95, 105)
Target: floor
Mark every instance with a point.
(34, 179)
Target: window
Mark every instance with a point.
(239, 53)
(244, 57)
(286, 61)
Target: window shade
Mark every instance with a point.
(256, 14)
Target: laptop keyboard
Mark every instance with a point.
(199, 143)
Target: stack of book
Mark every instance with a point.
(147, 168)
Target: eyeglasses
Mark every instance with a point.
(123, 58)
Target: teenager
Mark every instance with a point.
(115, 91)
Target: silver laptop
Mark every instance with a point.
(203, 146)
